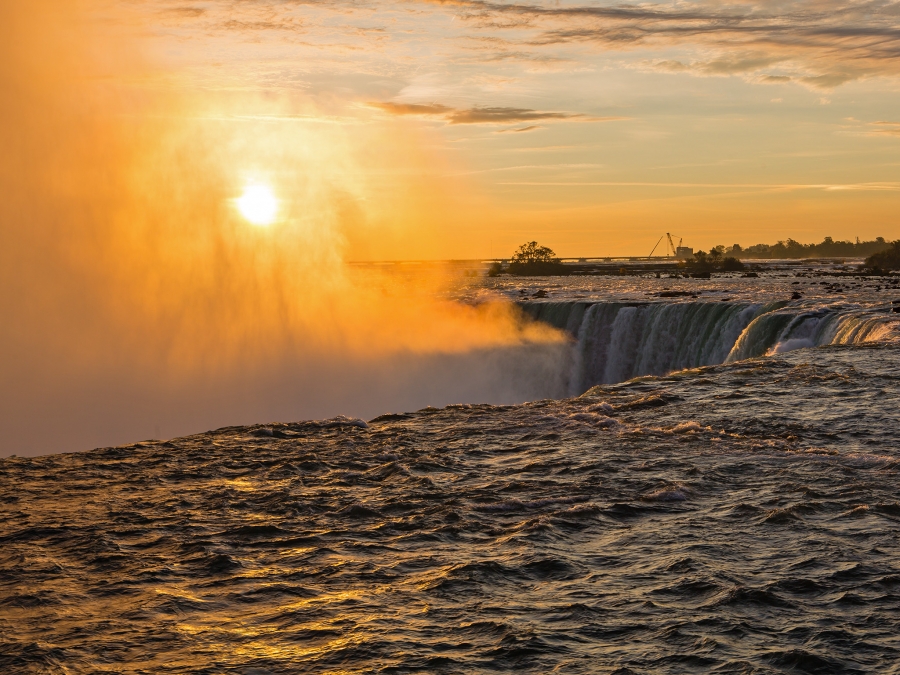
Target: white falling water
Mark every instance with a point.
(617, 341)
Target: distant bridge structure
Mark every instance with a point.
(673, 253)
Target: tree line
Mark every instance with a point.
(789, 248)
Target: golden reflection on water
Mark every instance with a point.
(235, 629)
(241, 484)
(509, 531)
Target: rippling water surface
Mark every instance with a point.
(735, 518)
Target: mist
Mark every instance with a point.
(137, 302)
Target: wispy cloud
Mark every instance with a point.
(485, 114)
(821, 43)
(501, 115)
(540, 167)
(428, 109)
(817, 43)
(519, 130)
(882, 128)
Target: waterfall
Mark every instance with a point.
(793, 328)
(566, 316)
(617, 341)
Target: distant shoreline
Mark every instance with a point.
(836, 260)
(788, 252)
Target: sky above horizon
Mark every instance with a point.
(591, 127)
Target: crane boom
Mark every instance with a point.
(654, 248)
(671, 244)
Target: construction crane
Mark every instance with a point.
(672, 244)
(671, 249)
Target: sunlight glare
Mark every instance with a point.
(258, 204)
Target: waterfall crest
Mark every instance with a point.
(617, 341)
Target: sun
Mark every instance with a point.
(258, 204)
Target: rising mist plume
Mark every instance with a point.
(136, 300)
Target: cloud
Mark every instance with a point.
(187, 11)
(883, 128)
(501, 115)
(519, 130)
(722, 66)
(774, 79)
(412, 108)
(822, 43)
(671, 66)
(485, 114)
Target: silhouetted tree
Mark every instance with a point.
(533, 253)
(532, 259)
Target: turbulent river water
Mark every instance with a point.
(737, 515)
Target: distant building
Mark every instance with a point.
(684, 253)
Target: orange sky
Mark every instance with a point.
(458, 130)
(468, 127)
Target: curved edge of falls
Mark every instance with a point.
(617, 341)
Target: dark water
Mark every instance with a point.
(740, 518)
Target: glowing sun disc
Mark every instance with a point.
(258, 204)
